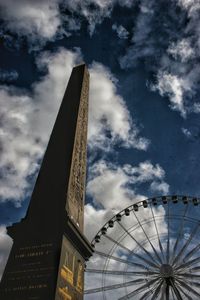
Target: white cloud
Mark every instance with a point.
(102, 9)
(113, 187)
(186, 132)
(109, 114)
(181, 50)
(145, 172)
(121, 31)
(8, 76)
(27, 121)
(172, 86)
(19, 151)
(70, 25)
(95, 11)
(40, 21)
(94, 219)
(196, 108)
(48, 93)
(189, 5)
(141, 45)
(108, 186)
(180, 86)
(127, 3)
(101, 4)
(169, 44)
(5, 247)
(43, 20)
(161, 187)
(34, 19)
(186, 51)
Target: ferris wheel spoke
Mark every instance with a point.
(188, 287)
(131, 252)
(180, 233)
(168, 239)
(118, 243)
(175, 289)
(157, 290)
(167, 291)
(195, 269)
(152, 246)
(124, 261)
(164, 291)
(159, 242)
(189, 263)
(177, 293)
(191, 253)
(147, 294)
(173, 295)
(149, 254)
(115, 286)
(179, 255)
(184, 293)
(139, 290)
(188, 275)
(128, 273)
(194, 283)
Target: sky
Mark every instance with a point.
(144, 130)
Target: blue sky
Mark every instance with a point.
(143, 136)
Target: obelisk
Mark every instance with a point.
(49, 249)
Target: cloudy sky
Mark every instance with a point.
(144, 63)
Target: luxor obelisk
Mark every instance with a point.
(49, 251)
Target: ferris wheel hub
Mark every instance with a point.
(166, 270)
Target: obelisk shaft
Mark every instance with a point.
(49, 250)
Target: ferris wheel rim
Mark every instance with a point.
(141, 203)
(181, 284)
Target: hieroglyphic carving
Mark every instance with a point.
(76, 189)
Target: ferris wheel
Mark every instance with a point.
(150, 250)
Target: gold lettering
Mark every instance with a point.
(80, 278)
(64, 293)
(67, 274)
